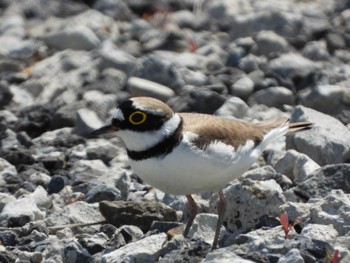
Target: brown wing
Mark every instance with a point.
(230, 131)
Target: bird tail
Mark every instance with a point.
(299, 126)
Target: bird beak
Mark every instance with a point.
(105, 129)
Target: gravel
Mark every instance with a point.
(65, 65)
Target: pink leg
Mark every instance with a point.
(192, 207)
(221, 213)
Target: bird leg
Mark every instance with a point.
(221, 213)
(192, 208)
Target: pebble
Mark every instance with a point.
(273, 97)
(142, 87)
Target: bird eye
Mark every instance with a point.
(137, 117)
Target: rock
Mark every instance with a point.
(250, 63)
(330, 99)
(115, 9)
(55, 185)
(192, 99)
(316, 231)
(16, 48)
(273, 97)
(93, 243)
(78, 38)
(73, 252)
(142, 87)
(193, 253)
(266, 173)
(161, 71)
(140, 214)
(268, 42)
(77, 212)
(249, 200)
(320, 182)
(102, 149)
(8, 238)
(204, 227)
(316, 51)
(112, 57)
(293, 256)
(20, 212)
(224, 255)
(333, 209)
(145, 250)
(6, 170)
(86, 121)
(4, 199)
(242, 88)
(102, 192)
(296, 166)
(234, 107)
(325, 143)
(5, 95)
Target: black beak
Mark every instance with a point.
(103, 130)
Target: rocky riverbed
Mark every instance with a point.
(65, 65)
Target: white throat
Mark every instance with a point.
(140, 141)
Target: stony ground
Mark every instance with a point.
(64, 65)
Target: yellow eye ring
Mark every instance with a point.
(137, 115)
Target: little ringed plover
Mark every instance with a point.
(187, 153)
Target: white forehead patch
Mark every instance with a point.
(118, 114)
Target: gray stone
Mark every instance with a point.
(102, 192)
(250, 63)
(330, 99)
(194, 99)
(4, 199)
(142, 87)
(115, 9)
(162, 71)
(6, 170)
(113, 57)
(77, 212)
(20, 212)
(145, 250)
(333, 209)
(234, 107)
(224, 255)
(316, 51)
(316, 231)
(268, 42)
(273, 97)
(325, 143)
(322, 181)
(16, 48)
(297, 166)
(293, 256)
(242, 88)
(86, 122)
(249, 200)
(204, 227)
(78, 38)
(73, 252)
(292, 65)
(140, 214)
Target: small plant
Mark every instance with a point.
(332, 258)
(286, 226)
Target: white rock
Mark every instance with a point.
(79, 38)
(273, 97)
(248, 201)
(332, 210)
(204, 227)
(293, 256)
(326, 143)
(317, 231)
(234, 107)
(77, 212)
(243, 87)
(297, 166)
(146, 250)
(143, 87)
(4, 199)
(224, 255)
(86, 121)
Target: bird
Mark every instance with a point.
(190, 153)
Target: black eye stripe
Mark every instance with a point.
(152, 122)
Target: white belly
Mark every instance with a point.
(188, 170)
